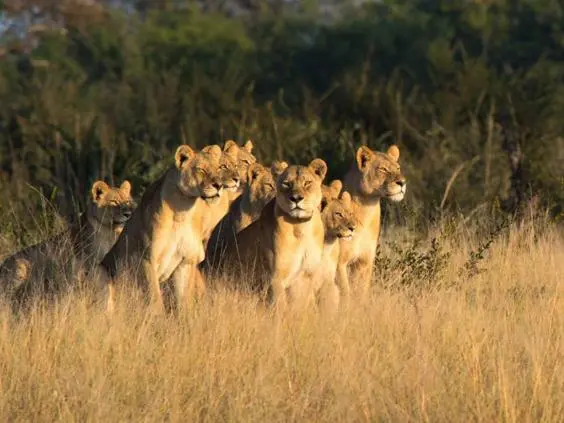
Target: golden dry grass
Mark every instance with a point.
(486, 349)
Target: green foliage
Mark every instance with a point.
(412, 266)
(110, 93)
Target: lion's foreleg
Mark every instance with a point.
(180, 279)
(153, 285)
(196, 285)
(279, 282)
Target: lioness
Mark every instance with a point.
(374, 176)
(286, 242)
(88, 239)
(260, 189)
(166, 232)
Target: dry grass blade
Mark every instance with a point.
(490, 347)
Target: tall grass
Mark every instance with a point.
(481, 345)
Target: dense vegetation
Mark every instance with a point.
(471, 91)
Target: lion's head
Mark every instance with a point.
(111, 206)
(199, 174)
(277, 168)
(243, 157)
(379, 174)
(229, 167)
(298, 189)
(338, 217)
(261, 188)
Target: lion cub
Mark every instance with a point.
(374, 176)
(166, 233)
(286, 242)
(340, 224)
(88, 239)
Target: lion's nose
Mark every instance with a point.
(352, 228)
(127, 213)
(217, 185)
(401, 182)
(296, 198)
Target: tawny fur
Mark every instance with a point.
(244, 158)
(373, 176)
(164, 239)
(259, 190)
(88, 239)
(340, 224)
(285, 245)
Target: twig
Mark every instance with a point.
(453, 177)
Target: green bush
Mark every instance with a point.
(110, 92)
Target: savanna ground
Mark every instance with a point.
(467, 327)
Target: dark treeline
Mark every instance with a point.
(471, 91)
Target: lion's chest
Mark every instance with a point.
(365, 240)
(301, 250)
(214, 214)
(104, 240)
(311, 253)
(180, 243)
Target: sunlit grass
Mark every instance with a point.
(483, 348)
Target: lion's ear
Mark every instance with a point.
(248, 146)
(125, 187)
(183, 154)
(364, 156)
(213, 150)
(335, 186)
(229, 144)
(278, 167)
(319, 167)
(231, 149)
(99, 190)
(255, 170)
(346, 199)
(393, 152)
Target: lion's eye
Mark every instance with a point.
(222, 167)
(382, 170)
(339, 214)
(247, 162)
(307, 184)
